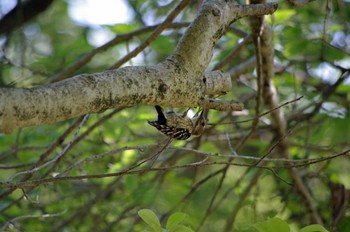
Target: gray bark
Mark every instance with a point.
(179, 81)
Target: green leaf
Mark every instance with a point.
(313, 228)
(272, 224)
(151, 219)
(174, 220)
(181, 228)
(283, 15)
(122, 28)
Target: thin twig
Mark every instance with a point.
(171, 16)
(31, 216)
(261, 115)
(141, 171)
(118, 39)
(233, 151)
(155, 157)
(35, 169)
(233, 53)
(271, 149)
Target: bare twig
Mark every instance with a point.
(233, 53)
(35, 169)
(100, 156)
(171, 16)
(233, 151)
(261, 115)
(31, 216)
(118, 39)
(130, 171)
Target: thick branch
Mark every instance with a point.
(271, 99)
(179, 81)
(212, 21)
(22, 13)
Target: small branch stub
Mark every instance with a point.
(217, 83)
(181, 75)
(221, 105)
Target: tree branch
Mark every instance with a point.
(271, 99)
(22, 13)
(179, 81)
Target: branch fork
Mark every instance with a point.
(179, 81)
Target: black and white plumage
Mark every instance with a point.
(172, 124)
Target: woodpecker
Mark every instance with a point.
(178, 126)
(199, 123)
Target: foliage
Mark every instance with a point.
(173, 224)
(277, 224)
(100, 173)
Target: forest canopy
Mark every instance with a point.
(269, 80)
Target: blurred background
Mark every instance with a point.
(45, 41)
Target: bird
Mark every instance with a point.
(178, 126)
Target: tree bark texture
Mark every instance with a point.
(179, 81)
(278, 122)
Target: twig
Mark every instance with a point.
(233, 53)
(233, 151)
(35, 169)
(140, 171)
(31, 216)
(155, 157)
(99, 156)
(118, 39)
(221, 105)
(28, 198)
(260, 115)
(171, 16)
(271, 149)
(192, 190)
